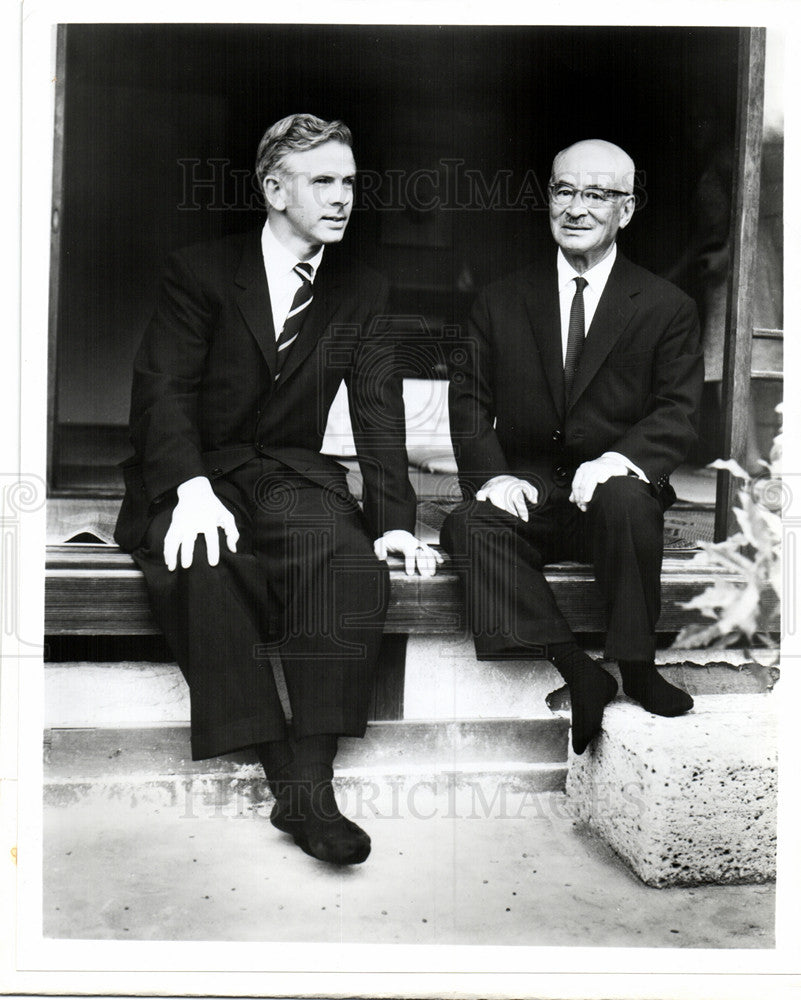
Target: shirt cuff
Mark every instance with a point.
(629, 465)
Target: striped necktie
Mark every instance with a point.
(296, 314)
(575, 336)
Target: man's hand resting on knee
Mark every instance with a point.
(510, 494)
(591, 474)
(414, 552)
(198, 512)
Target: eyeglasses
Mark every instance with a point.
(591, 197)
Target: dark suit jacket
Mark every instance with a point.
(636, 391)
(204, 400)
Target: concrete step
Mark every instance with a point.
(120, 730)
(153, 764)
(438, 678)
(444, 680)
(393, 747)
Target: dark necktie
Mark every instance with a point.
(296, 315)
(575, 335)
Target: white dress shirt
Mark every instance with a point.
(596, 278)
(282, 281)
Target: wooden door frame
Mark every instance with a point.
(736, 388)
(55, 253)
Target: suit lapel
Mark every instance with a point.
(613, 315)
(253, 298)
(541, 296)
(327, 289)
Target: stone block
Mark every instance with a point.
(684, 801)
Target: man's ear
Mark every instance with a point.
(274, 193)
(627, 211)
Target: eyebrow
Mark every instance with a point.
(589, 187)
(325, 174)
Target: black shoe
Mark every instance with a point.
(589, 696)
(591, 689)
(643, 683)
(326, 835)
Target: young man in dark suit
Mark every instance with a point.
(576, 399)
(250, 340)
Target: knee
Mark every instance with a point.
(625, 499)
(200, 577)
(469, 521)
(454, 530)
(618, 489)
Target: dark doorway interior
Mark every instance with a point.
(455, 129)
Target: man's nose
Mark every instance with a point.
(340, 193)
(576, 204)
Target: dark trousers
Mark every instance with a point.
(304, 583)
(510, 606)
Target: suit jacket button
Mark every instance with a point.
(216, 472)
(557, 436)
(561, 476)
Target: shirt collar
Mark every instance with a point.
(596, 276)
(277, 259)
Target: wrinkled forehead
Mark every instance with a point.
(593, 166)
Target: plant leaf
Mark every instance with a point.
(730, 465)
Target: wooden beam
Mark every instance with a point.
(736, 389)
(55, 251)
(98, 590)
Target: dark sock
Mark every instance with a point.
(315, 752)
(643, 682)
(275, 757)
(591, 690)
(310, 758)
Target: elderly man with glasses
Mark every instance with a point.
(573, 401)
